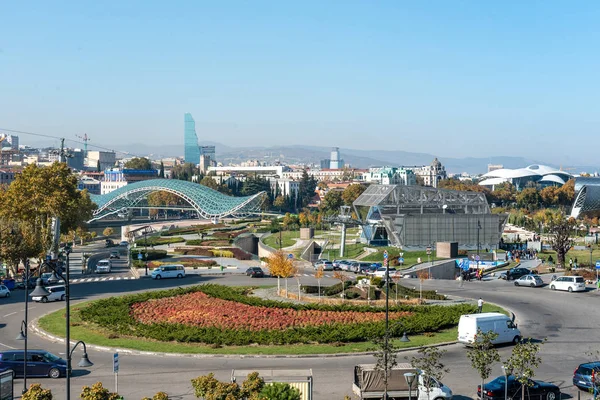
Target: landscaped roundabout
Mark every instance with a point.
(229, 320)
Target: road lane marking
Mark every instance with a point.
(7, 346)
(8, 315)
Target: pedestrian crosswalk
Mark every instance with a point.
(106, 278)
(324, 276)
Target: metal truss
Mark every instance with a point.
(208, 203)
(410, 199)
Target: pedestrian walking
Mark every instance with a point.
(479, 305)
(570, 263)
(460, 280)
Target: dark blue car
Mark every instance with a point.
(39, 363)
(536, 390)
(582, 377)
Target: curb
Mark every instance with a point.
(42, 333)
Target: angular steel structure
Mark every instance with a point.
(414, 217)
(587, 197)
(208, 203)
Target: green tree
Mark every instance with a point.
(352, 192)
(523, 362)
(279, 391)
(429, 362)
(279, 202)
(306, 189)
(529, 198)
(98, 167)
(161, 171)
(36, 392)
(139, 163)
(97, 392)
(332, 202)
(40, 193)
(209, 182)
(255, 184)
(559, 227)
(483, 354)
(108, 231)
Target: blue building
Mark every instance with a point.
(191, 151)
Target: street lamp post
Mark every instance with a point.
(41, 291)
(410, 379)
(23, 336)
(506, 372)
(387, 322)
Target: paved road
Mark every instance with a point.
(568, 320)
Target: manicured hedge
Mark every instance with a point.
(151, 254)
(189, 230)
(157, 240)
(336, 289)
(114, 314)
(234, 252)
(209, 242)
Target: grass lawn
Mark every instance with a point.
(410, 257)
(582, 256)
(288, 238)
(54, 323)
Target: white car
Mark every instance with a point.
(56, 293)
(168, 271)
(4, 292)
(381, 272)
(529, 280)
(103, 266)
(569, 283)
(326, 264)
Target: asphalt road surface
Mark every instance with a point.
(568, 320)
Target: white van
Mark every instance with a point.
(469, 324)
(569, 283)
(168, 271)
(103, 266)
(56, 293)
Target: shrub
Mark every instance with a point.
(210, 388)
(158, 240)
(115, 314)
(310, 289)
(198, 251)
(336, 289)
(190, 230)
(412, 293)
(280, 391)
(98, 392)
(160, 396)
(209, 242)
(36, 392)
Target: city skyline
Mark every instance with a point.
(453, 80)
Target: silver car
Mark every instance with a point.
(529, 280)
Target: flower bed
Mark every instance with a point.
(215, 314)
(198, 309)
(228, 252)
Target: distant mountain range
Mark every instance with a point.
(299, 154)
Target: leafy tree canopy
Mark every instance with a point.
(140, 163)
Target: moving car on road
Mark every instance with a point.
(255, 272)
(381, 272)
(569, 283)
(168, 271)
(582, 377)
(39, 363)
(103, 266)
(326, 264)
(515, 273)
(4, 292)
(529, 280)
(535, 390)
(115, 254)
(56, 293)
(470, 324)
(48, 278)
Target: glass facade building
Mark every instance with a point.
(191, 151)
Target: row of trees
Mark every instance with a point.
(28, 207)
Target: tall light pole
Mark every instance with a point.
(387, 322)
(506, 372)
(23, 334)
(41, 291)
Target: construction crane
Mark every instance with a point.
(85, 139)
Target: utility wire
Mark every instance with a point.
(68, 140)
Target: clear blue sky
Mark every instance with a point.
(452, 78)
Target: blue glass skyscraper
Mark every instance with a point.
(191, 152)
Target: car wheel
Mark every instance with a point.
(551, 396)
(516, 340)
(158, 277)
(54, 373)
(179, 276)
(570, 289)
(44, 299)
(532, 285)
(552, 287)
(62, 298)
(7, 294)
(516, 283)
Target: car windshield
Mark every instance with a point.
(51, 357)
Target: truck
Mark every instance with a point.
(369, 384)
(469, 324)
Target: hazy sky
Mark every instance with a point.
(452, 78)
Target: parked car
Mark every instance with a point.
(124, 243)
(326, 264)
(168, 271)
(114, 254)
(535, 390)
(39, 363)
(366, 268)
(109, 243)
(381, 272)
(569, 283)
(255, 272)
(515, 273)
(56, 293)
(4, 292)
(29, 283)
(103, 266)
(582, 377)
(529, 280)
(48, 279)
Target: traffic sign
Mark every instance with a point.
(401, 260)
(116, 362)
(428, 250)
(385, 254)
(598, 264)
(477, 257)
(290, 256)
(140, 256)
